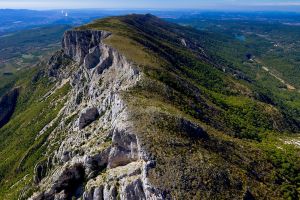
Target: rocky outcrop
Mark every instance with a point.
(67, 185)
(88, 116)
(100, 155)
(77, 44)
(56, 63)
(124, 149)
(7, 106)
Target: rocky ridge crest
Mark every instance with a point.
(98, 154)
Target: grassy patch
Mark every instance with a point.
(22, 149)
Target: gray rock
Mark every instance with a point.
(87, 117)
(134, 191)
(110, 160)
(110, 192)
(98, 193)
(94, 194)
(124, 149)
(96, 163)
(88, 195)
(56, 63)
(106, 61)
(66, 156)
(77, 44)
(60, 196)
(92, 58)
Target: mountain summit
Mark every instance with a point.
(134, 107)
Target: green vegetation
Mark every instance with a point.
(165, 59)
(206, 110)
(185, 82)
(28, 47)
(21, 147)
(267, 44)
(285, 157)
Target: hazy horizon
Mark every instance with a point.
(224, 5)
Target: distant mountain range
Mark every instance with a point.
(12, 20)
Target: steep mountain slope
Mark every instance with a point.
(135, 108)
(265, 51)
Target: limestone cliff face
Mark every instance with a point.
(94, 152)
(77, 44)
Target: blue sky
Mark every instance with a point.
(156, 4)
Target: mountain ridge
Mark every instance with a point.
(149, 117)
